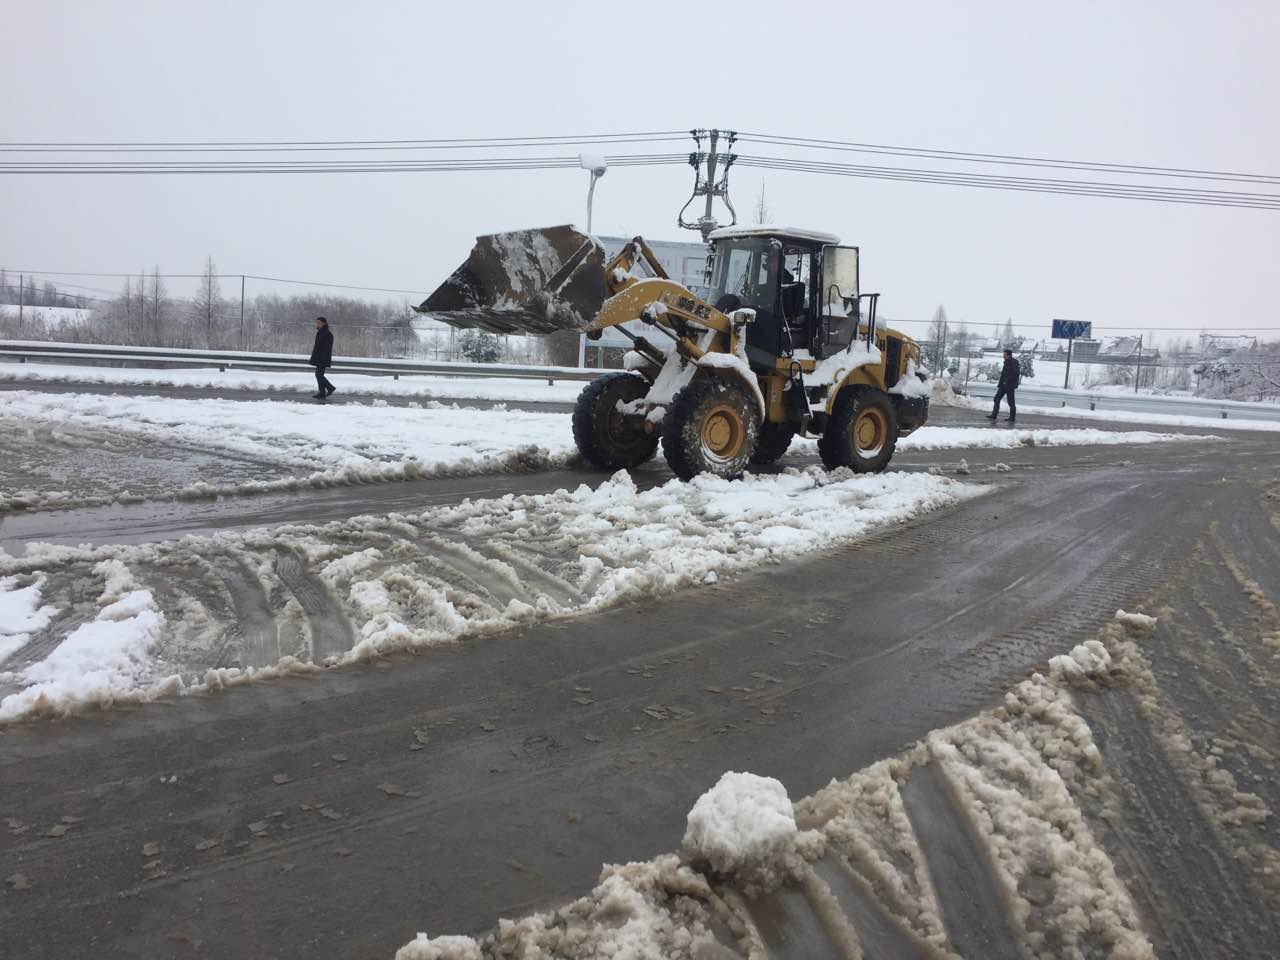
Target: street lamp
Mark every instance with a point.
(597, 165)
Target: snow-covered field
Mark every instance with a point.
(422, 387)
(853, 868)
(54, 316)
(206, 612)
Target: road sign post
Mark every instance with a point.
(1069, 330)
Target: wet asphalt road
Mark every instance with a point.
(803, 672)
(521, 792)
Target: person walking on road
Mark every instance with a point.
(322, 359)
(1010, 377)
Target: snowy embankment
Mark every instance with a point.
(855, 867)
(326, 445)
(301, 382)
(350, 443)
(206, 612)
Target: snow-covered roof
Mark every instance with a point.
(768, 230)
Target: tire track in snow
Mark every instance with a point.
(974, 907)
(259, 632)
(331, 633)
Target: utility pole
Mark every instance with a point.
(22, 285)
(707, 222)
(242, 343)
(705, 184)
(1137, 367)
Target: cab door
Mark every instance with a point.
(837, 300)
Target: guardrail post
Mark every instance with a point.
(552, 383)
(395, 376)
(1224, 414)
(1093, 405)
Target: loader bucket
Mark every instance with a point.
(526, 281)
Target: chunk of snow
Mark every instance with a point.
(1088, 659)
(834, 369)
(744, 825)
(910, 385)
(423, 947)
(1138, 622)
(741, 370)
(20, 614)
(674, 377)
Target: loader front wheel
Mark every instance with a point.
(861, 433)
(710, 427)
(605, 438)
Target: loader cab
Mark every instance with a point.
(802, 285)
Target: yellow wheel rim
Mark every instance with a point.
(869, 430)
(723, 432)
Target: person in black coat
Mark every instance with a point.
(1010, 377)
(322, 358)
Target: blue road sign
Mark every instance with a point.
(1071, 329)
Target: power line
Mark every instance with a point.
(325, 166)
(1205, 197)
(424, 143)
(200, 276)
(1008, 159)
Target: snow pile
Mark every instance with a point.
(1139, 622)
(20, 614)
(1088, 659)
(744, 827)
(423, 947)
(943, 395)
(342, 443)
(951, 438)
(100, 659)
(465, 570)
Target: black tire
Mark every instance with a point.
(773, 441)
(710, 427)
(861, 433)
(604, 438)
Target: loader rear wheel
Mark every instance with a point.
(710, 427)
(861, 433)
(773, 442)
(605, 438)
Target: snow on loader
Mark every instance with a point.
(786, 344)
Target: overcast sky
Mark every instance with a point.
(1184, 84)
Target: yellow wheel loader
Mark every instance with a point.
(784, 344)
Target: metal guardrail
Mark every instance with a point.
(24, 350)
(1139, 403)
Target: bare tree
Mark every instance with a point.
(761, 213)
(155, 313)
(208, 299)
(1008, 338)
(937, 348)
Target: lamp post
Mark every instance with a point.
(597, 165)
